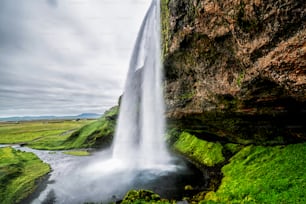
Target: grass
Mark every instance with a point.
(96, 134)
(19, 173)
(24, 132)
(68, 142)
(61, 135)
(260, 174)
(200, 151)
(77, 153)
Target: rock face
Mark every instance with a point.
(235, 70)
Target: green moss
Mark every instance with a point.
(96, 134)
(187, 96)
(172, 135)
(233, 148)
(19, 173)
(260, 174)
(142, 197)
(77, 153)
(240, 78)
(200, 151)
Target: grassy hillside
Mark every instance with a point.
(61, 135)
(19, 173)
(260, 174)
(249, 174)
(95, 134)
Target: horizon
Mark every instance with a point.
(73, 115)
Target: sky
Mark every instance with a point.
(65, 57)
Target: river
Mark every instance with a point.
(94, 178)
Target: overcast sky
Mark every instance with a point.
(65, 57)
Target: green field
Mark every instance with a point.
(61, 134)
(19, 174)
(30, 131)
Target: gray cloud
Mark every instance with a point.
(52, 2)
(65, 57)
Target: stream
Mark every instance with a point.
(95, 178)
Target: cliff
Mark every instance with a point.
(235, 70)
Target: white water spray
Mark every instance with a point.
(139, 138)
(139, 157)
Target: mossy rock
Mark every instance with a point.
(141, 196)
(201, 152)
(259, 174)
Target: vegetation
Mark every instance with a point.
(61, 135)
(256, 174)
(251, 174)
(19, 172)
(200, 151)
(96, 134)
(78, 153)
(143, 197)
(260, 174)
(29, 131)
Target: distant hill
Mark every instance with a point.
(29, 118)
(88, 115)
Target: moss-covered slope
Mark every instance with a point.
(199, 151)
(95, 134)
(260, 174)
(245, 174)
(19, 174)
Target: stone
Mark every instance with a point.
(236, 70)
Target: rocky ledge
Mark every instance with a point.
(235, 71)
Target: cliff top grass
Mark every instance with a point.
(200, 151)
(260, 174)
(94, 133)
(19, 172)
(98, 133)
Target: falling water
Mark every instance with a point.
(139, 157)
(139, 138)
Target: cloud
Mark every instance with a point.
(52, 3)
(65, 57)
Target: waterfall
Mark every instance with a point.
(139, 158)
(139, 138)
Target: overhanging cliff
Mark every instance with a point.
(236, 70)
